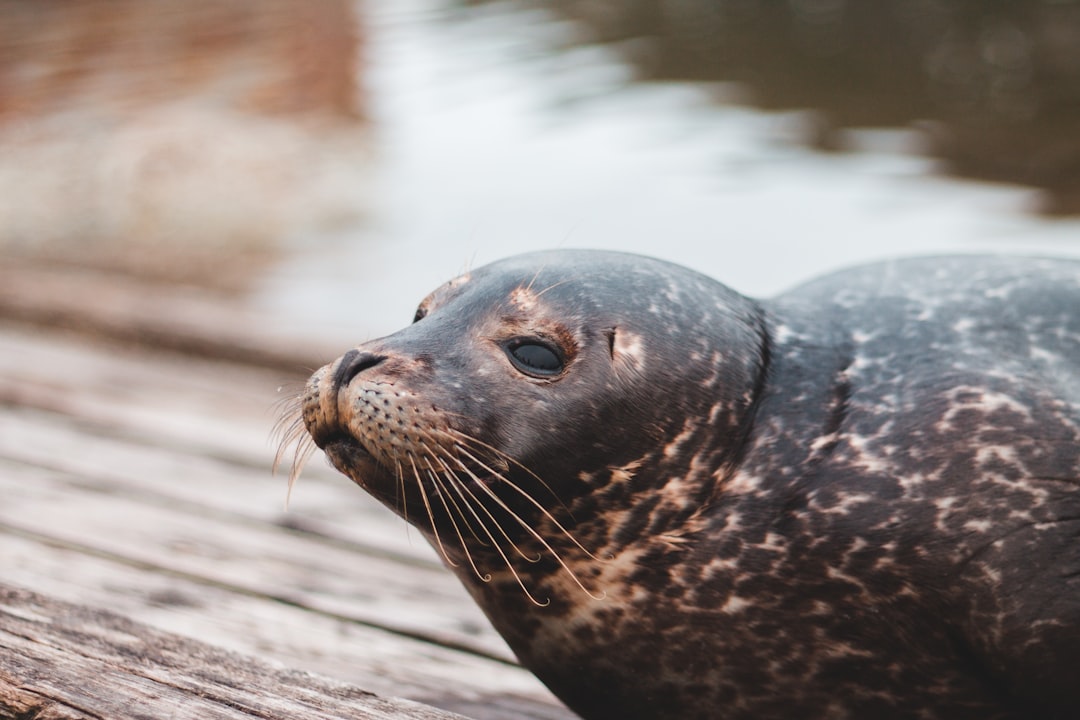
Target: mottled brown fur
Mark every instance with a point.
(859, 499)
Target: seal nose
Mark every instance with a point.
(352, 364)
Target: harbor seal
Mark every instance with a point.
(860, 498)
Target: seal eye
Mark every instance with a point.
(535, 357)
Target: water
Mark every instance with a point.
(495, 134)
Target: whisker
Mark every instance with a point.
(440, 492)
(484, 577)
(502, 531)
(533, 501)
(498, 549)
(305, 449)
(460, 437)
(288, 406)
(455, 482)
(552, 286)
(536, 276)
(528, 528)
(404, 497)
(292, 434)
(287, 431)
(431, 516)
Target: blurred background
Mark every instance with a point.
(271, 182)
(326, 164)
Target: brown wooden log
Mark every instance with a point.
(64, 661)
(123, 308)
(139, 481)
(137, 478)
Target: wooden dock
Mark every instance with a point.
(150, 568)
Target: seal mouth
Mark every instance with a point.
(351, 458)
(371, 472)
(325, 437)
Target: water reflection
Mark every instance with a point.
(1001, 80)
(499, 130)
(176, 140)
(196, 140)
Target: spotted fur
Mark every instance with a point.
(858, 499)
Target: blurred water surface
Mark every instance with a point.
(334, 161)
(497, 130)
(176, 140)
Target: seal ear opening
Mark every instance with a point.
(626, 350)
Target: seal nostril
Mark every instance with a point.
(352, 364)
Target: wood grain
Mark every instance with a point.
(137, 481)
(62, 660)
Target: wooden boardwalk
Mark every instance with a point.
(150, 568)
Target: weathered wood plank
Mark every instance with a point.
(367, 657)
(66, 661)
(162, 470)
(203, 406)
(136, 312)
(140, 481)
(324, 502)
(161, 412)
(249, 557)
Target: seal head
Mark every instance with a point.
(858, 499)
(534, 377)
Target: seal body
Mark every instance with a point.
(858, 499)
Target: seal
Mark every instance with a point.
(858, 499)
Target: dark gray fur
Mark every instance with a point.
(859, 499)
